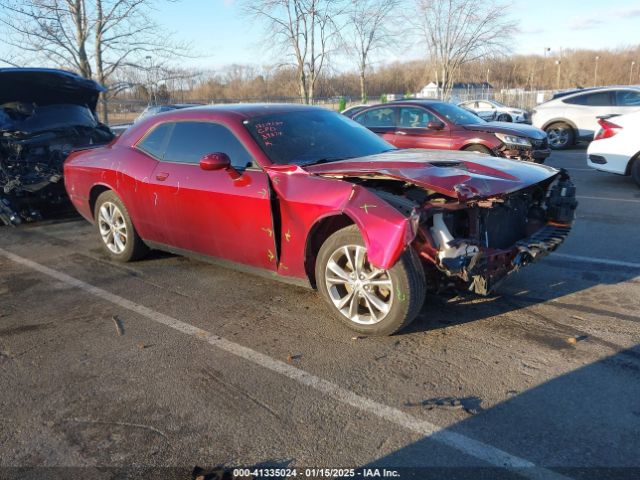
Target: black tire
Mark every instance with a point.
(477, 148)
(504, 117)
(134, 247)
(635, 171)
(564, 133)
(408, 286)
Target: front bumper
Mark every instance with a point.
(493, 266)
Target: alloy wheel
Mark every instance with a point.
(360, 291)
(558, 137)
(113, 228)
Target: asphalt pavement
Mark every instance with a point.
(171, 362)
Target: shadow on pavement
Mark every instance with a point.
(583, 424)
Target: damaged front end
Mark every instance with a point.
(31, 158)
(44, 115)
(473, 245)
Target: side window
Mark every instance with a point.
(155, 141)
(599, 99)
(485, 105)
(378, 117)
(412, 117)
(627, 98)
(190, 141)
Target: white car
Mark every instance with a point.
(573, 115)
(616, 146)
(491, 110)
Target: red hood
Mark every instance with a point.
(461, 175)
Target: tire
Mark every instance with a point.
(118, 236)
(477, 148)
(635, 171)
(400, 289)
(503, 117)
(560, 135)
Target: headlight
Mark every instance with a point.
(513, 140)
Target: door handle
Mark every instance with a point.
(162, 176)
(400, 132)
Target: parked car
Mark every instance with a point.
(311, 197)
(44, 114)
(149, 111)
(156, 109)
(572, 116)
(491, 110)
(351, 111)
(441, 125)
(616, 146)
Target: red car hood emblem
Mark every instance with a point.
(461, 175)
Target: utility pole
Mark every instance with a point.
(595, 72)
(559, 64)
(631, 73)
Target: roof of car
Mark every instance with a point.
(254, 109)
(574, 91)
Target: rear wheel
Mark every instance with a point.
(477, 148)
(635, 171)
(119, 237)
(560, 136)
(367, 299)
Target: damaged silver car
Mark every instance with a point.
(44, 115)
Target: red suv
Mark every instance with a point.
(441, 125)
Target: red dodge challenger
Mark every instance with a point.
(315, 198)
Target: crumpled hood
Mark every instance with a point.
(508, 128)
(461, 175)
(45, 86)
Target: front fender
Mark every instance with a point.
(385, 231)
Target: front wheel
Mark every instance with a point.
(119, 237)
(367, 299)
(560, 136)
(503, 117)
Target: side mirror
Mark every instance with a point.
(435, 125)
(215, 161)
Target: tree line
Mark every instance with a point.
(117, 43)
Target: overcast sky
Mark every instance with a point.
(217, 29)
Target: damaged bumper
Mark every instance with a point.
(491, 247)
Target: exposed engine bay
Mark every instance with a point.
(473, 244)
(34, 142)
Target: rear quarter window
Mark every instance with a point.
(155, 141)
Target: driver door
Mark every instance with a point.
(208, 212)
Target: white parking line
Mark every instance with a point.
(599, 261)
(464, 444)
(608, 199)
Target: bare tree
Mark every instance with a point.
(367, 32)
(458, 32)
(305, 29)
(92, 37)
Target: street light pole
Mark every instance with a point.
(595, 72)
(544, 61)
(631, 73)
(559, 64)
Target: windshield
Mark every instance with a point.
(313, 136)
(48, 117)
(455, 114)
